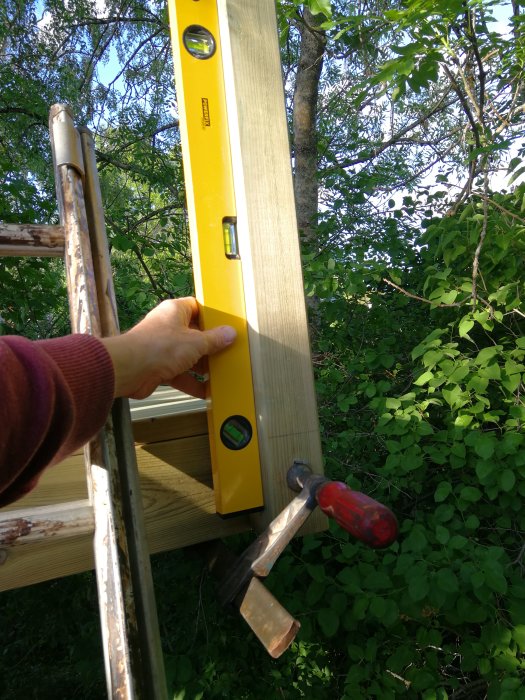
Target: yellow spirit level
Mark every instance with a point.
(215, 250)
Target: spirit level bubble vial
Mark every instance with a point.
(215, 250)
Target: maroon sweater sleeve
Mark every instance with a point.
(54, 396)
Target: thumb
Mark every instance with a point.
(219, 338)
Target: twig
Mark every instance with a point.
(498, 206)
(519, 557)
(415, 296)
(464, 104)
(475, 262)
(467, 690)
(157, 288)
(441, 104)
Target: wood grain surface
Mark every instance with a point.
(268, 239)
(175, 478)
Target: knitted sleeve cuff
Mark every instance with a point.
(87, 368)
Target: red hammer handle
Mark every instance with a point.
(367, 520)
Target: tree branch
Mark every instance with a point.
(394, 139)
(118, 19)
(475, 262)
(418, 298)
(27, 112)
(464, 104)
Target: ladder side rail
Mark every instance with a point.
(130, 493)
(116, 600)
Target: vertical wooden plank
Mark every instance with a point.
(269, 246)
(126, 673)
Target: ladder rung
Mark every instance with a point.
(42, 523)
(37, 240)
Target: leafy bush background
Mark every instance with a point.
(420, 376)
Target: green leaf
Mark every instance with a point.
(465, 325)
(463, 421)
(485, 445)
(518, 634)
(492, 371)
(477, 579)
(418, 587)
(339, 603)
(323, 7)
(470, 611)
(360, 608)
(470, 494)
(329, 621)
(487, 354)
(423, 378)
(432, 357)
(516, 175)
(484, 469)
(317, 572)
(447, 580)
(457, 542)
(484, 666)
(477, 383)
(315, 592)
(443, 490)
(416, 540)
(454, 397)
(472, 522)
(444, 513)
(507, 480)
(449, 297)
(496, 580)
(442, 534)
(377, 607)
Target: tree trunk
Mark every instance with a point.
(313, 43)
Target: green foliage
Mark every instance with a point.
(422, 407)
(54, 650)
(112, 70)
(418, 338)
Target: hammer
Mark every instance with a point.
(366, 519)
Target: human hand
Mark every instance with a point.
(161, 349)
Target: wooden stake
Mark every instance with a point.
(271, 263)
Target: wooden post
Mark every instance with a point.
(127, 668)
(273, 283)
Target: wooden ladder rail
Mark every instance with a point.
(131, 640)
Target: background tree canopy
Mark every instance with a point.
(406, 129)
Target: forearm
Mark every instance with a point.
(55, 396)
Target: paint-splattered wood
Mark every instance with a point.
(31, 239)
(179, 506)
